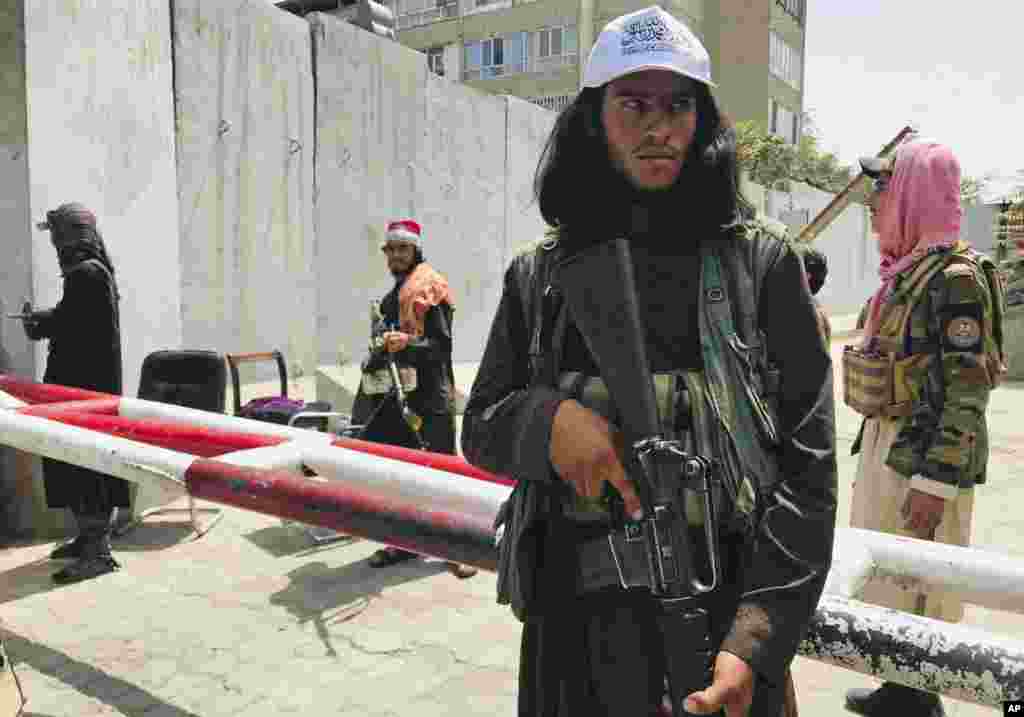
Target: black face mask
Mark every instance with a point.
(68, 256)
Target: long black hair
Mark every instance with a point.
(577, 184)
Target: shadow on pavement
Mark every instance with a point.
(28, 579)
(282, 541)
(85, 679)
(328, 596)
(154, 535)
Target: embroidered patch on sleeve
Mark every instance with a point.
(963, 333)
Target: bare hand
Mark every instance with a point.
(732, 689)
(922, 513)
(395, 341)
(583, 452)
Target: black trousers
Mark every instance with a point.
(84, 491)
(601, 654)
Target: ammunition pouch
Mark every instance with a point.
(876, 384)
(378, 381)
(673, 406)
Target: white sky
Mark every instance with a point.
(953, 68)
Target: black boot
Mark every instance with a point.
(894, 699)
(95, 558)
(71, 550)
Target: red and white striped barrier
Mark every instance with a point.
(430, 503)
(441, 506)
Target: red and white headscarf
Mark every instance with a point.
(918, 214)
(405, 230)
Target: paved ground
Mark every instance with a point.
(252, 620)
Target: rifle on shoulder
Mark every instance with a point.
(842, 200)
(599, 286)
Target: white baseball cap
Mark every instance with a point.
(648, 39)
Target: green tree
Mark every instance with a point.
(767, 159)
(772, 162)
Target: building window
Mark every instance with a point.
(553, 47)
(496, 57)
(412, 13)
(783, 122)
(794, 8)
(784, 61)
(435, 60)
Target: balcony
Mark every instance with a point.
(794, 8)
(551, 63)
(490, 72)
(555, 103)
(425, 17)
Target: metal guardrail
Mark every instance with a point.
(381, 497)
(953, 660)
(959, 661)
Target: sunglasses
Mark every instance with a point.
(881, 182)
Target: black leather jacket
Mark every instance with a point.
(507, 429)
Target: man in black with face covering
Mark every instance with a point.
(85, 352)
(643, 154)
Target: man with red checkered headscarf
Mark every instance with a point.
(416, 317)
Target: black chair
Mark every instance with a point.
(193, 379)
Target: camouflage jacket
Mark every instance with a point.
(952, 327)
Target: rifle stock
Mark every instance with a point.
(842, 200)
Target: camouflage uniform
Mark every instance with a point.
(824, 325)
(942, 445)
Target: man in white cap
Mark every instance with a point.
(643, 153)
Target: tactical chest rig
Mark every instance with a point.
(698, 443)
(884, 380)
(719, 417)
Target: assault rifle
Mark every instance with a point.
(378, 327)
(599, 286)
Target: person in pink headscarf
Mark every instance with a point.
(936, 315)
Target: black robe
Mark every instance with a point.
(600, 654)
(84, 330)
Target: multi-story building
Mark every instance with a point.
(535, 49)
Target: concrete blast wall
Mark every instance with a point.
(16, 352)
(848, 244)
(88, 116)
(395, 141)
(273, 257)
(244, 93)
(100, 131)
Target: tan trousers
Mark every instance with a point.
(878, 495)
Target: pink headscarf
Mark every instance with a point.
(919, 213)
